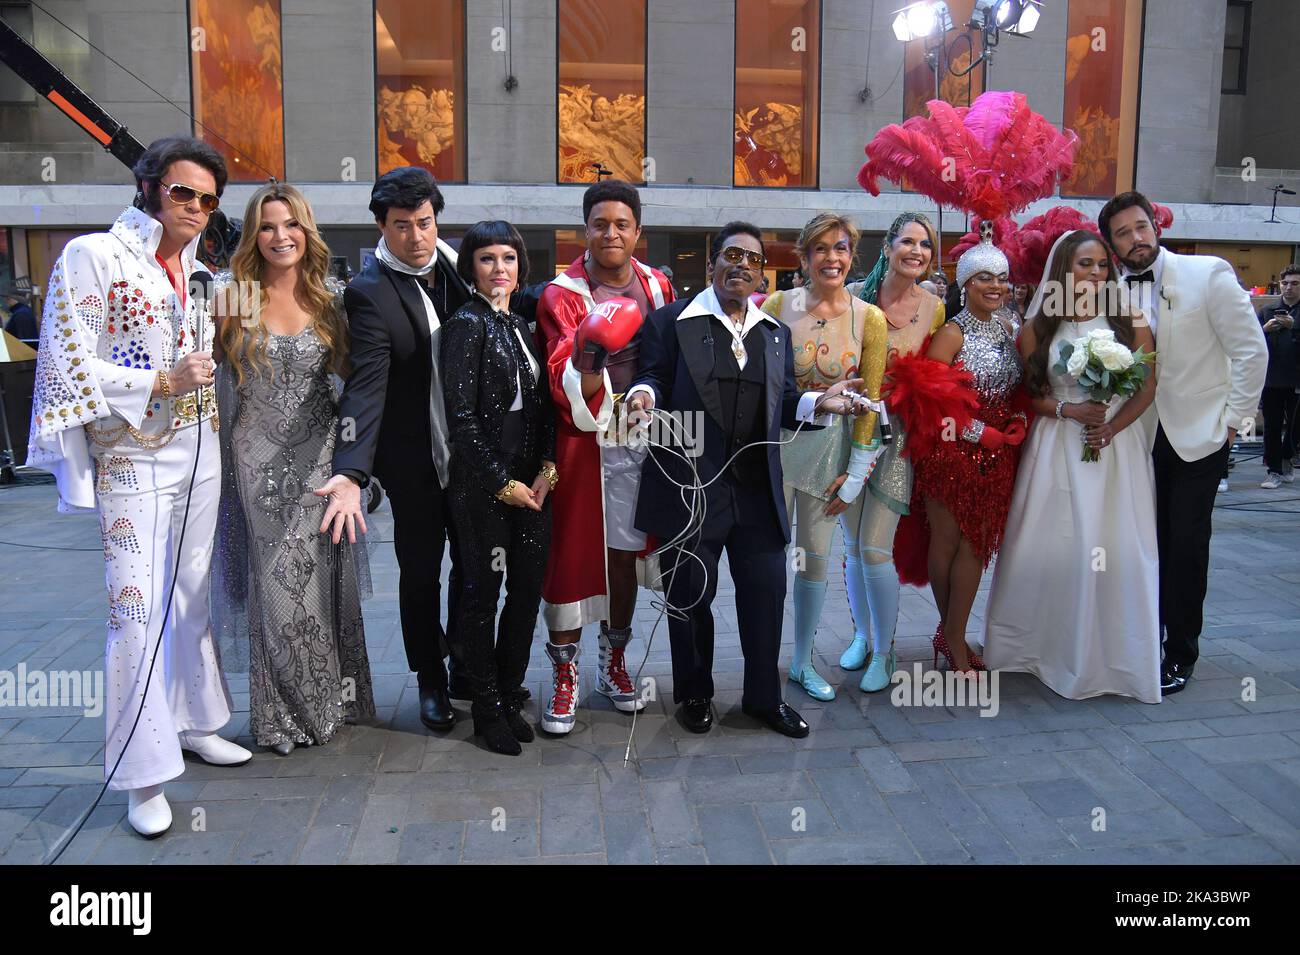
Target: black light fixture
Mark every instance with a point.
(601, 171)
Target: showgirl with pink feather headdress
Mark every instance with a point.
(959, 398)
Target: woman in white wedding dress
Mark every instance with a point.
(1075, 592)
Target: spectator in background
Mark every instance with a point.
(22, 320)
(940, 281)
(1279, 398)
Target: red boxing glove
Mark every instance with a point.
(606, 329)
(1015, 432)
(992, 438)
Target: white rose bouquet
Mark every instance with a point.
(1105, 367)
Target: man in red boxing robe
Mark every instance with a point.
(591, 575)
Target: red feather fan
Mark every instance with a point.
(929, 396)
(990, 159)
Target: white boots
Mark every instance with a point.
(147, 808)
(148, 812)
(211, 748)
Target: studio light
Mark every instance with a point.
(1009, 16)
(919, 20)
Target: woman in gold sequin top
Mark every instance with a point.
(834, 336)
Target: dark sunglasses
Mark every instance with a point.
(181, 195)
(735, 255)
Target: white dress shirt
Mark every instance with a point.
(1145, 293)
(706, 303)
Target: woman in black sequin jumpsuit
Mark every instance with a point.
(502, 469)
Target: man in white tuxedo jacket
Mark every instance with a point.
(1210, 364)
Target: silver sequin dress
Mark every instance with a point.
(298, 592)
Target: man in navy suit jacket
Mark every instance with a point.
(719, 359)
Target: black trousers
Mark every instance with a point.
(1185, 493)
(1279, 406)
(741, 520)
(420, 533)
(493, 538)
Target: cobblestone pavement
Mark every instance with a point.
(1205, 776)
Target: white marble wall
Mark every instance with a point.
(1182, 68)
(690, 79)
(511, 134)
(329, 81)
(857, 51)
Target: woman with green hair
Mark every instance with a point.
(912, 314)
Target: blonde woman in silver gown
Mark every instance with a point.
(282, 341)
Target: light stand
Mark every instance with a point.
(1279, 188)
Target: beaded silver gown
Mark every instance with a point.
(294, 592)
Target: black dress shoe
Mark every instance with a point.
(435, 709)
(697, 715)
(781, 718)
(1174, 677)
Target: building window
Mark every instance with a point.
(238, 89)
(420, 86)
(1102, 66)
(918, 75)
(1236, 46)
(778, 87)
(600, 101)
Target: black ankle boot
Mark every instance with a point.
(490, 723)
(516, 721)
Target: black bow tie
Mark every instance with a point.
(1147, 276)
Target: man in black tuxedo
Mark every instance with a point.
(392, 424)
(717, 357)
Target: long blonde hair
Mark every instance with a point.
(243, 336)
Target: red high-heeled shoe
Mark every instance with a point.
(940, 644)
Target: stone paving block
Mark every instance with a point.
(431, 843)
(764, 787)
(470, 805)
(681, 855)
(943, 749)
(517, 841)
(997, 769)
(571, 820)
(801, 819)
(197, 848)
(1220, 783)
(925, 828)
(671, 821)
(797, 760)
(343, 801)
(1109, 778)
(620, 790)
(1178, 729)
(325, 845)
(1064, 797)
(1273, 789)
(627, 838)
(377, 838)
(842, 850)
(731, 835)
(1165, 824)
(1244, 748)
(886, 770)
(1026, 828)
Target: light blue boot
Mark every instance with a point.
(809, 595)
(856, 655)
(882, 587)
